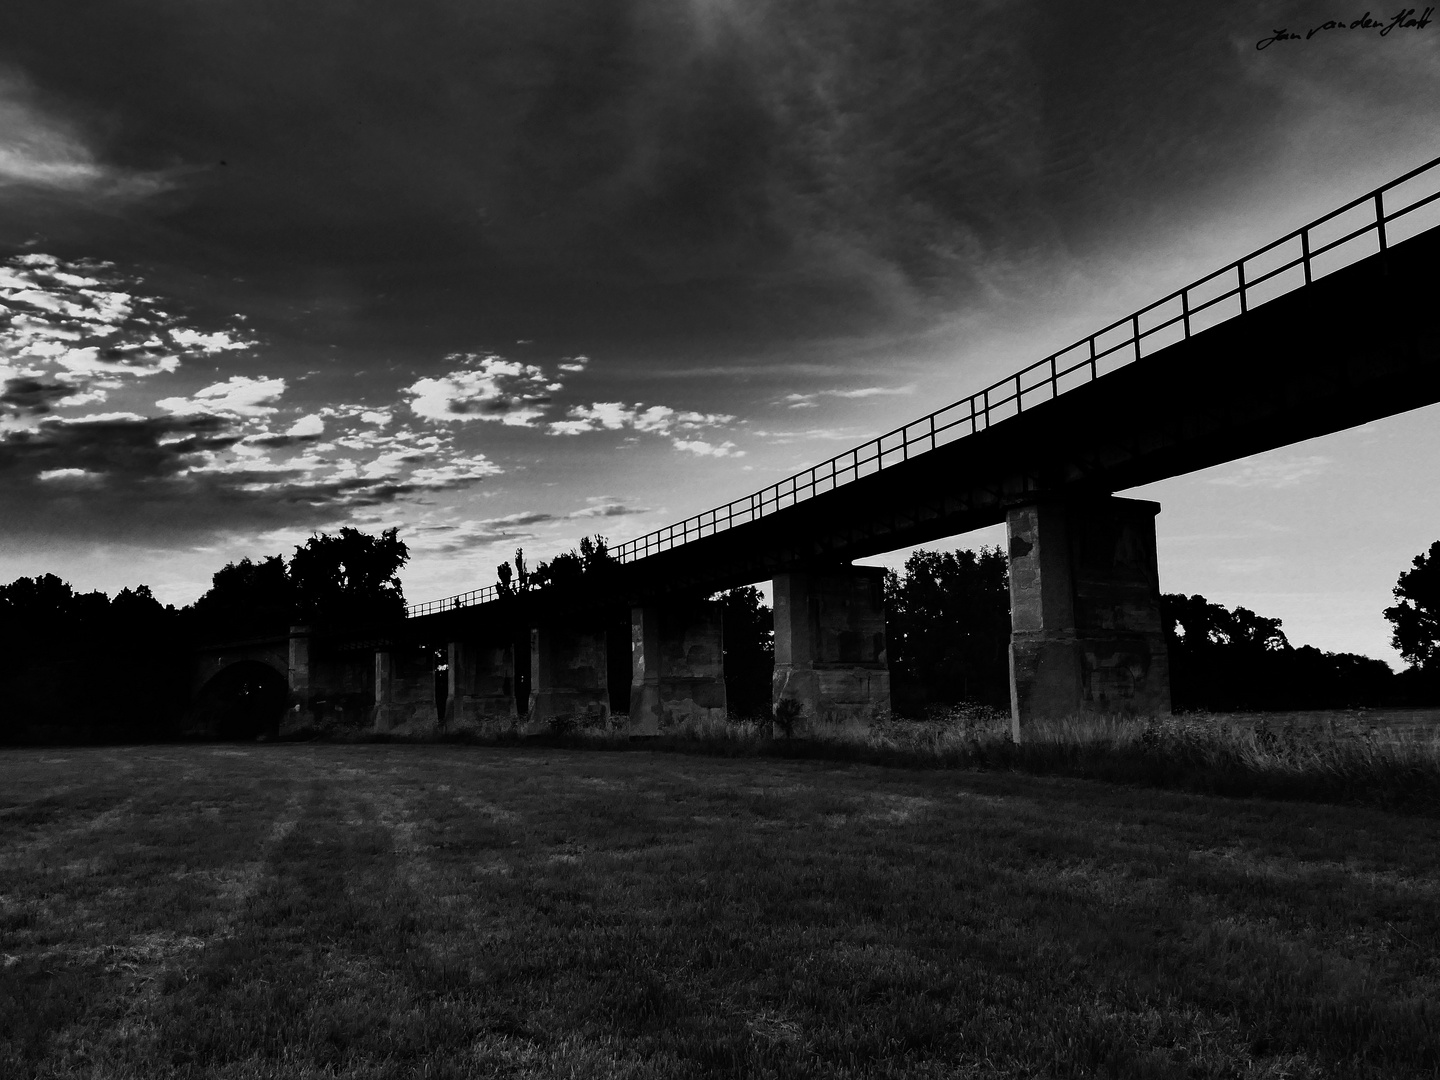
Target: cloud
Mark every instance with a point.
(25, 396)
(82, 324)
(197, 474)
(239, 395)
(704, 449)
(1273, 474)
(808, 401)
(652, 419)
(485, 388)
(41, 150)
(307, 425)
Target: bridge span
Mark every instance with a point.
(1328, 327)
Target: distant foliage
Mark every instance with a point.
(948, 629)
(749, 636)
(1416, 614)
(82, 667)
(592, 563)
(1225, 660)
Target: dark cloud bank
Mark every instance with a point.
(633, 171)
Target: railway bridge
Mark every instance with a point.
(1328, 327)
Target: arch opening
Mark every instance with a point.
(246, 700)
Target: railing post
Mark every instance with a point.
(1094, 366)
(1135, 326)
(1018, 398)
(1185, 309)
(1240, 271)
(1305, 253)
(1054, 378)
(1380, 217)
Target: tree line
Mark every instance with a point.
(86, 666)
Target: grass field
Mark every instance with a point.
(386, 910)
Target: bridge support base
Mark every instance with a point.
(677, 666)
(830, 661)
(404, 691)
(568, 681)
(482, 686)
(1086, 635)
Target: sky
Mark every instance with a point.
(506, 274)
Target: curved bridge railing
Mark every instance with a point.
(1361, 228)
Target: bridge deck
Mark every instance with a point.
(1355, 345)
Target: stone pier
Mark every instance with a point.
(481, 686)
(568, 678)
(301, 712)
(405, 691)
(830, 659)
(677, 665)
(1086, 635)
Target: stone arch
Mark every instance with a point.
(244, 699)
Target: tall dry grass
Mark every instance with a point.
(1327, 761)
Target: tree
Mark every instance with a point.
(948, 628)
(1416, 614)
(247, 598)
(349, 577)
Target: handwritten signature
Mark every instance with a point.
(1406, 19)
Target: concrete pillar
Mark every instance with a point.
(301, 712)
(405, 691)
(1086, 634)
(677, 660)
(830, 648)
(482, 685)
(568, 677)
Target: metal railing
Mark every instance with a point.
(459, 600)
(1249, 282)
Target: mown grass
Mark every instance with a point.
(368, 910)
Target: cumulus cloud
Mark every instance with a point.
(484, 387)
(312, 424)
(239, 395)
(616, 416)
(704, 449)
(211, 468)
(81, 324)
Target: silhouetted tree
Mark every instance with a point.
(1416, 614)
(246, 598)
(948, 629)
(349, 577)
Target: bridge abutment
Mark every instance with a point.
(1086, 634)
(482, 685)
(404, 691)
(677, 665)
(830, 657)
(568, 676)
